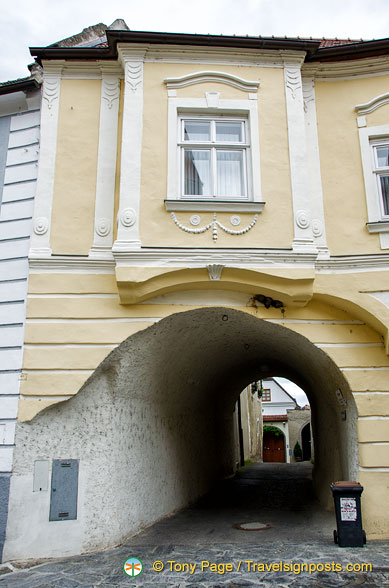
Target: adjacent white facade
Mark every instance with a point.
(19, 150)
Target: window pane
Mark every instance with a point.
(266, 395)
(197, 131)
(229, 132)
(383, 156)
(385, 193)
(230, 180)
(197, 175)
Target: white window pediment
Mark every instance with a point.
(373, 104)
(212, 76)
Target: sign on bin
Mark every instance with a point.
(348, 509)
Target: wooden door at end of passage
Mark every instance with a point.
(273, 447)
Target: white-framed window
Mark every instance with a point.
(214, 153)
(266, 395)
(380, 154)
(374, 142)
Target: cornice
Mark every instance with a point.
(367, 67)
(69, 264)
(221, 55)
(201, 257)
(130, 53)
(83, 69)
(91, 69)
(353, 263)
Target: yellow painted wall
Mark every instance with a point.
(374, 510)
(378, 117)
(156, 226)
(76, 167)
(341, 166)
(75, 320)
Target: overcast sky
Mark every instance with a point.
(26, 23)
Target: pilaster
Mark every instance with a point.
(313, 167)
(128, 216)
(303, 235)
(40, 238)
(106, 163)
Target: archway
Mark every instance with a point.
(152, 428)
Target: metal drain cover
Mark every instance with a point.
(251, 526)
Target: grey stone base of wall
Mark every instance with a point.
(4, 495)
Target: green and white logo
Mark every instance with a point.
(132, 566)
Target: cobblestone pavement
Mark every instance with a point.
(300, 534)
(105, 569)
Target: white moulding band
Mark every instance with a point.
(213, 206)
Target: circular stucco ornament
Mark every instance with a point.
(41, 225)
(195, 220)
(302, 219)
(127, 217)
(317, 228)
(103, 227)
(235, 220)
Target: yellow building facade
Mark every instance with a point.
(229, 193)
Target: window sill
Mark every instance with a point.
(214, 206)
(378, 226)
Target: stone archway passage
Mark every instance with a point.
(152, 428)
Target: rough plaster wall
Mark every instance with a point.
(153, 427)
(296, 421)
(246, 425)
(255, 412)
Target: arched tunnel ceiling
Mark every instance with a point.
(205, 347)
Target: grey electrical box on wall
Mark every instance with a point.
(64, 490)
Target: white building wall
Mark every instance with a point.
(16, 211)
(280, 400)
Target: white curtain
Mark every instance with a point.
(230, 182)
(228, 132)
(197, 178)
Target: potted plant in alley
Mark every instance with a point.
(297, 452)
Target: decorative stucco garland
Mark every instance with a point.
(214, 224)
